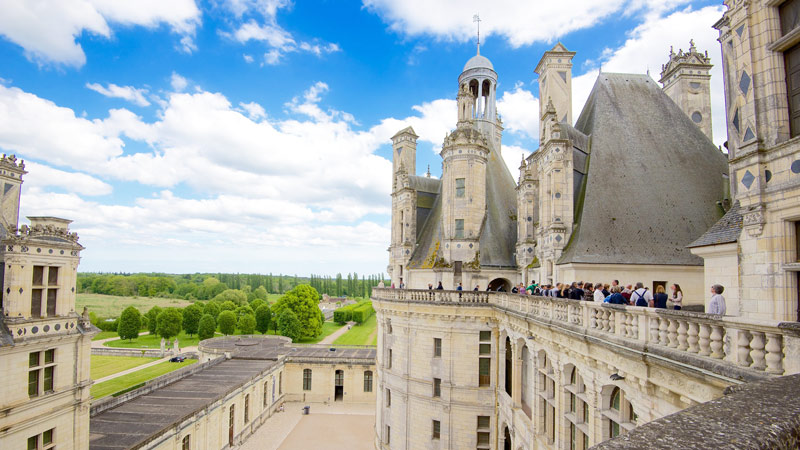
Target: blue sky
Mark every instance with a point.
(253, 135)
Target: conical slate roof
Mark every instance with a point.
(653, 178)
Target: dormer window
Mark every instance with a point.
(44, 295)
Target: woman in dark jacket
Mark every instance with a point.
(660, 299)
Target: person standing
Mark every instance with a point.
(598, 293)
(660, 299)
(717, 303)
(440, 287)
(677, 296)
(641, 296)
(460, 288)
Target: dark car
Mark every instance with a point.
(177, 359)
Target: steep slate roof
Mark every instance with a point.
(725, 231)
(499, 235)
(654, 178)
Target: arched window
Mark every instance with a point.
(367, 381)
(509, 366)
(618, 414)
(525, 382)
(576, 416)
(306, 379)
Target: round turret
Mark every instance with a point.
(478, 62)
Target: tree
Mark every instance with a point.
(152, 319)
(256, 303)
(227, 322)
(191, 319)
(206, 327)
(289, 324)
(130, 322)
(236, 296)
(212, 309)
(169, 323)
(243, 311)
(263, 318)
(303, 301)
(247, 323)
(227, 306)
(260, 293)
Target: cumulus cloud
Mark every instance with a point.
(178, 82)
(129, 93)
(47, 31)
(647, 47)
(42, 176)
(519, 110)
(257, 21)
(516, 22)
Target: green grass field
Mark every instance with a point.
(109, 387)
(360, 334)
(151, 341)
(105, 335)
(112, 306)
(328, 328)
(103, 366)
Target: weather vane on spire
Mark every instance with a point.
(477, 19)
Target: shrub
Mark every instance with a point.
(343, 314)
(362, 312)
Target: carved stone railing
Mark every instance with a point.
(25, 329)
(763, 346)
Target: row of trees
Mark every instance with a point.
(296, 315)
(207, 286)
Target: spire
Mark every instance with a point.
(477, 19)
(428, 173)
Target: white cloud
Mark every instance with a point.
(254, 110)
(47, 30)
(129, 93)
(247, 58)
(512, 155)
(647, 47)
(40, 176)
(519, 110)
(178, 82)
(258, 22)
(518, 22)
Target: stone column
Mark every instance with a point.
(516, 374)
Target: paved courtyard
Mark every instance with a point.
(328, 427)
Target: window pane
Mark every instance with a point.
(38, 275)
(368, 381)
(790, 15)
(614, 429)
(33, 442)
(437, 347)
(486, 349)
(33, 359)
(483, 422)
(49, 356)
(52, 276)
(486, 336)
(33, 383)
(483, 438)
(460, 187)
(436, 429)
(459, 234)
(36, 303)
(48, 378)
(51, 301)
(47, 437)
(437, 387)
(615, 399)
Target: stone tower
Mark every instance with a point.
(404, 201)
(479, 80)
(11, 177)
(687, 81)
(527, 217)
(555, 83)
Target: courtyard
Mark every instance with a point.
(327, 427)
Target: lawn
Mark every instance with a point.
(105, 335)
(328, 328)
(112, 305)
(109, 387)
(103, 366)
(152, 341)
(364, 334)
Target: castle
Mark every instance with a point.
(612, 197)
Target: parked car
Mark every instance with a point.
(177, 359)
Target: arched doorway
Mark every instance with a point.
(498, 283)
(338, 393)
(506, 439)
(509, 367)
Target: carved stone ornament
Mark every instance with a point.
(753, 220)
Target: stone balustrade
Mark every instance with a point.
(22, 328)
(760, 346)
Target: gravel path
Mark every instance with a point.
(333, 336)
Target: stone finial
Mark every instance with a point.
(550, 107)
(671, 51)
(428, 173)
(692, 48)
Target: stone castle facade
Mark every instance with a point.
(576, 211)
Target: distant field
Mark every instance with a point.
(109, 387)
(103, 366)
(364, 334)
(112, 305)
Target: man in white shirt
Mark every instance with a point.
(717, 303)
(641, 293)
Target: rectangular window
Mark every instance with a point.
(186, 444)
(33, 442)
(368, 381)
(484, 377)
(280, 383)
(36, 303)
(460, 183)
(42, 372)
(797, 241)
(265, 394)
(48, 379)
(306, 379)
(38, 275)
(33, 383)
(485, 349)
(51, 302)
(483, 440)
(483, 422)
(437, 429)
(437, 387)
(486, 336)
(52, 276)
(42, 441)
(247, 408)
(388, 398)
(388, 436)
(437, 347)
(389, 361)
(459, 234)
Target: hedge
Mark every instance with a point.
(362, 312)
(343, 314)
